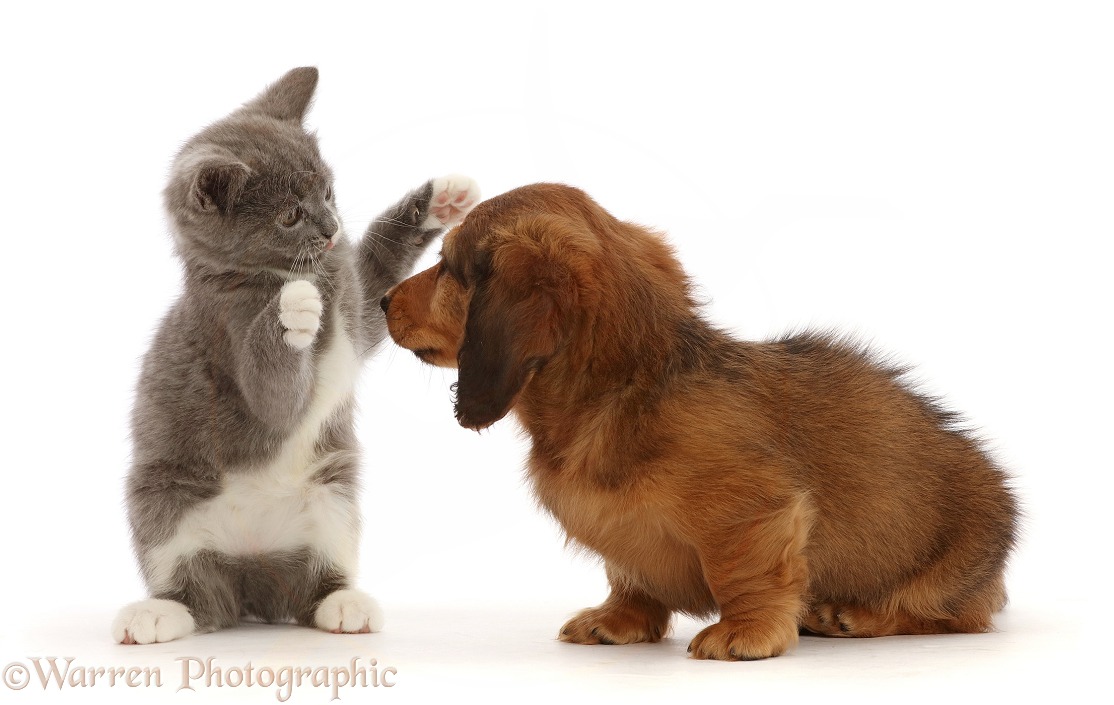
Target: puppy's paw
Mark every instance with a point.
(743, 640)
(833, 619)
(348, 612)
(150, 621)
(827, 619)
(613, 625)
(451, 199)
(299, 313)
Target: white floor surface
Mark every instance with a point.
(490, 654)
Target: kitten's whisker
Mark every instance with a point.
(294, 268)
(323, 277)
(396, 242)
(392, 221)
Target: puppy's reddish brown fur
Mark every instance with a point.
(785, 485)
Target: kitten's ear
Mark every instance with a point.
(216, 186)
(288, 98)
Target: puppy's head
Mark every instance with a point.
(426, 313)
(504, 298)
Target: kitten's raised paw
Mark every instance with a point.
(348, 612)
(150, 621)
(453, 196)
(300, 313)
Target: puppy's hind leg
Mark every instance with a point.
(627, 616)
(940, 600)
(844, 620)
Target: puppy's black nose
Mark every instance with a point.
(385, 303)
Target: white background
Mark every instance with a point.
(933, 177)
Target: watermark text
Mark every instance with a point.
(193, 673)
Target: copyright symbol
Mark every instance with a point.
(16, 676)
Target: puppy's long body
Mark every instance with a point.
(789, 485)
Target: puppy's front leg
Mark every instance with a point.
(627, 616)
(758, 576)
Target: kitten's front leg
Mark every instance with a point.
(299, 313)
(394, 241)
(275, 366)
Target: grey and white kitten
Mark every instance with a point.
(242, 493)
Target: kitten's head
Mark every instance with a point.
(251, 191)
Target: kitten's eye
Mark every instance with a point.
(329, 193)
(291, 217)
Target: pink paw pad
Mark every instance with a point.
(452, 198)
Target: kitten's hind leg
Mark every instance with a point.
(316, 591)
(152, 620)
(348, 611)
(199, 597)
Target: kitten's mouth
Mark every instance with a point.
(330, 244)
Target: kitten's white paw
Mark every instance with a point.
(150, 621)
(453, 196)
(350, 612)
(300, 312)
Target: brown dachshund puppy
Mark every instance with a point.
(789, 485)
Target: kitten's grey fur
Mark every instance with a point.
(241, 496)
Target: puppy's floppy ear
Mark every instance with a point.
(516, 322)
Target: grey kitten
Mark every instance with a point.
(242, 492)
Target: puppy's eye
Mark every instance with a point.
(290, 217)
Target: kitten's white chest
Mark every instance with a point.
(278, 507)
